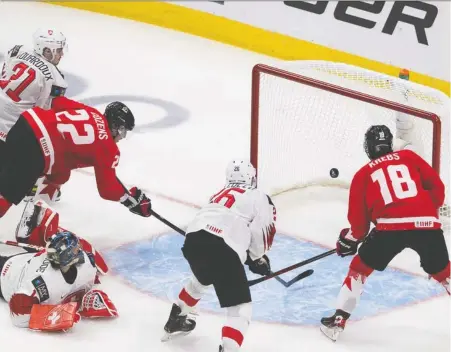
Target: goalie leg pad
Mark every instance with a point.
(97, 304)
(49, 317)
(47, 226)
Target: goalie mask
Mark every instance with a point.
(241, 172)
(378, 141)
(120, 120)
(64, 250)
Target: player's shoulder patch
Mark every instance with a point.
(57, 91)
(14, 51)
(41, 288)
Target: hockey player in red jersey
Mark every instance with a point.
(51, 143)
(400, 194)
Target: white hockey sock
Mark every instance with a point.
(350, 292)
(190, 295)
(238, 319)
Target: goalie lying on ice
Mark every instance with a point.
(51, 289)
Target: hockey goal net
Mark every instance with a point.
(311, 116)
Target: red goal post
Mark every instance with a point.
(318, 115)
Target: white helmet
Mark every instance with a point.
(48, 38)
(241, 171)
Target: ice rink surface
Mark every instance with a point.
(191, 100)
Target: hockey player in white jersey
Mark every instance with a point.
(237, 227)
(31, 78)
(51, 289)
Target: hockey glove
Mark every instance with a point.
(97, 304)
(137, 202)
(261, 266)
(346, 244)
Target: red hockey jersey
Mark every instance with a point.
(72, 136)
(398, 191)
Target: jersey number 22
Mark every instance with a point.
(67, 126)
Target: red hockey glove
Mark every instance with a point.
(346, 244)
(96, 304)
(137, 202)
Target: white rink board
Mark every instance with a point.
(402, 48)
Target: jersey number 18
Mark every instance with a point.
(401, 182)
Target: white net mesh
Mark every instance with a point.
(304, 131)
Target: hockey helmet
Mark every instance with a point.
(378, 141)
(64, 250)
(120, 119)
(241, 172)
(52, 40)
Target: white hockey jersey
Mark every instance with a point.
(244, 217)
(27, 80)
(32, 274)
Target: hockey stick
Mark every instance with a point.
(292, 267)
(167, 223)
(297, 278)
(23, 245)
(282, 281)
(180, 231)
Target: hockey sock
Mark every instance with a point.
(443, 277)
(352, 288)
(190, 295)
(238, 319)
(4, 206)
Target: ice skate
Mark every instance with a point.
(28, 221)
(334, 325)
(177, 325)
(221, 349)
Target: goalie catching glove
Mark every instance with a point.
(137, 202)
(346, 243)
(97, 304)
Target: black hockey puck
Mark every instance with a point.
(333, 172)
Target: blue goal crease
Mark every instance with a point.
(157, 266)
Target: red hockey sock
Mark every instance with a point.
(186, 298)
(443, 277)
(4, 206)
